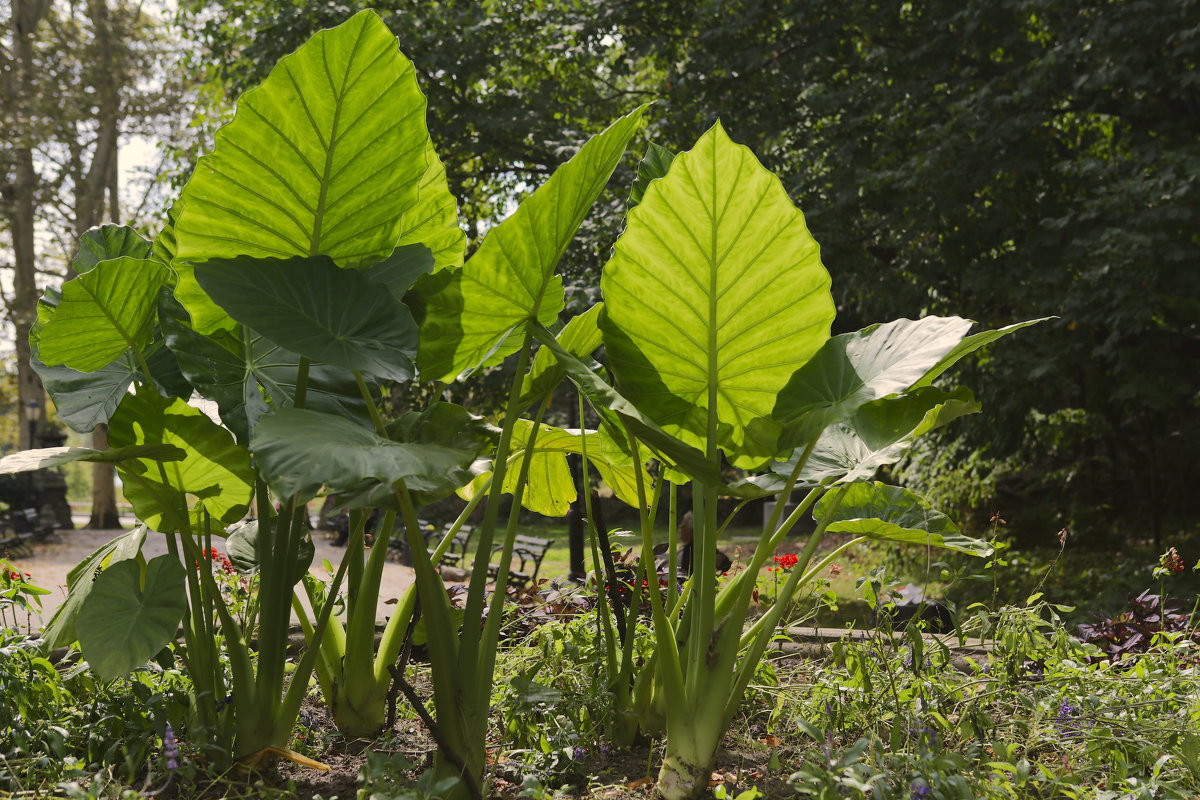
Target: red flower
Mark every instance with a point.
(787, 561)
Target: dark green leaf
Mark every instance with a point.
(312, 307)
(124, 621)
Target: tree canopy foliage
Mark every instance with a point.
(1002, 158)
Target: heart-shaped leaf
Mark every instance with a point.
(399, 271)
(326, 157)
(715, 294)
(894, 514)
(60, 632)
(510, 280)
(103, 313)
(309, 305)
(125, 621)
(856, 368)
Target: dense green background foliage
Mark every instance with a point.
(1003, 159)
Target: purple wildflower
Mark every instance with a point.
(171, 748)
(920, 790)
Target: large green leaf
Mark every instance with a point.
(617, 413)
(325, 157)
(894, 514)
(970, 345)
(28, 460)
(300, 451)
(399, 271)
(242, 543)
(580, 337)
(550, 488)
(878, 434)
(106, 242)
(654, 165)
(309, 305)
(60, 632)
(214, 478)
(242, 371)
(714, 296)
(856, 368)
(510, 280)
(84, 400)
(125, 621)
(103, 313)
(433, 221)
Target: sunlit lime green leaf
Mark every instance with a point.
(433, 221)
(103, 313)
(105, 242)
(715, 294)
(312, 307)
(510, 279)
(60, 632)
(214, 477)
(324, 158)
(894, 514)
(580, 337)
(126, 620)
(550, 489)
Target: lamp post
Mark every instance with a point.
(33, 413)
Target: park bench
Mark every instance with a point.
(455, 556)
(19, 529)
(527, 551)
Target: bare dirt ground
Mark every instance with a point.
(53, 559)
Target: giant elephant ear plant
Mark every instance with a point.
(278, 291)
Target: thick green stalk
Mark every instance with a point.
(469, 650)
(392, 639)
(769, 620)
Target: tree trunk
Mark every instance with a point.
(104, 490)
(101, 179)
(20, 197)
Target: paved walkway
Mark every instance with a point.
(53, 559)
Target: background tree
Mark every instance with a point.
(78, 77)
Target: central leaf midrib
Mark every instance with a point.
(319, 215)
